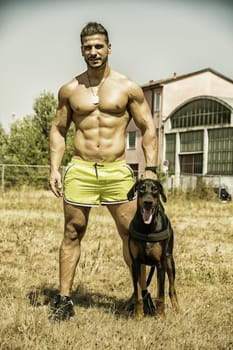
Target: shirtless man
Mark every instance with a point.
(100, 102)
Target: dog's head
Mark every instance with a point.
(148, 196)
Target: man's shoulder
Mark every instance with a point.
(125, 80)
(68, 88)
(131, 88)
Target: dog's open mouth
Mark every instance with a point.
(147, 215)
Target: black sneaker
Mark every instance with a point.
(148, 305)
(63, 309)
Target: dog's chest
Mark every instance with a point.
(152, 253)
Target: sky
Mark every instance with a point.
(151, 39)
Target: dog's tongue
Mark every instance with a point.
(147, 215)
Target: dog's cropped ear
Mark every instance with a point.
(161, 191)
(132, 191)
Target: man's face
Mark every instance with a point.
(95, 50)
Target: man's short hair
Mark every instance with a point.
(93, 28)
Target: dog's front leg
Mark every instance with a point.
(171, 277)
(138, 301)
(160, 301)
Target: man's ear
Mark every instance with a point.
(109, 49)
(161, 191)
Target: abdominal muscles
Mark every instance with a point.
(100, 138)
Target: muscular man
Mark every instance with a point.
(100, 102)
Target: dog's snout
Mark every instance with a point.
(148, 202)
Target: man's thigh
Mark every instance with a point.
(123, 214)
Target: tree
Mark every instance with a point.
(45, 109)
(28, 142)
(28, 139)
(21, 146)
(3, 144)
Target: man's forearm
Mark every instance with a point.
(57, 147)
(56, 159)
(150, 148)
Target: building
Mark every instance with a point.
(193, 114)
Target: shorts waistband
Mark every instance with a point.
(98, 164)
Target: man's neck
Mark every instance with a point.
(97, 74)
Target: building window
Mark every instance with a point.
(201, 112)
(191, 163)
(171, 151)
(157, 97)
(220, 151)
(191, 141)
(131, 140)
(191, 152)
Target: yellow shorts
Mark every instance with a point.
(93, 184)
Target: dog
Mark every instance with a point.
(151, 240)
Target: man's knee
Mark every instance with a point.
(74, 231)
(76, 220)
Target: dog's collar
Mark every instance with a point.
(149, 237)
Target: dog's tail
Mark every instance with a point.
(152, 270)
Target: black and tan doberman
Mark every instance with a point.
(151, 243)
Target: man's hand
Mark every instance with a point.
(148, 174)
(55, 183)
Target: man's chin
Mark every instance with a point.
(94, 64)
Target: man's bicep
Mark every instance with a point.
(139, 108)
(141, 114)
(60, 123)
(63, 115)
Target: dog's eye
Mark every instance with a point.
(142, 189)
(154, 190)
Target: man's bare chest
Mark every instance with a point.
(86, 100)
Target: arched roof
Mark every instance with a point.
(225, 101)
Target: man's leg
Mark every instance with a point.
(123, 214)
(76, 219)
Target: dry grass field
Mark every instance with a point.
(30, 234)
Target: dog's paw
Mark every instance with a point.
(138, 311)
(138, 316)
